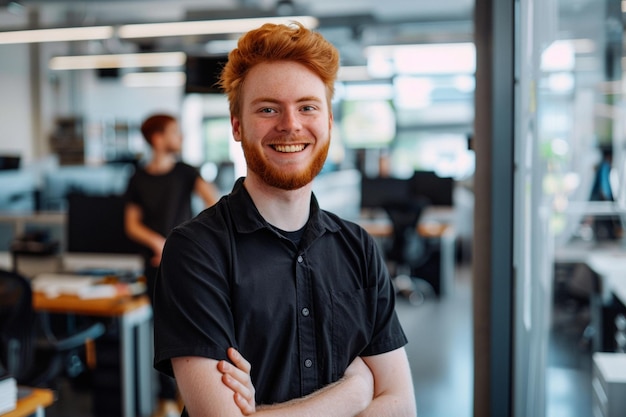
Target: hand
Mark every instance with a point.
(157, 251)
(237, 378)
(155, 261)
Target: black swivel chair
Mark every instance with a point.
(407, 250)
(29, 351)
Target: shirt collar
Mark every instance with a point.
(248, 219)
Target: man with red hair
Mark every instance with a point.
(265, 303)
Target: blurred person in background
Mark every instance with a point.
(158, 198)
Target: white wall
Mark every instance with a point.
(66, 93)
(15, 102)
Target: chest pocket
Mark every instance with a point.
(352, 326)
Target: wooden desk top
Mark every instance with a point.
(107, 307)
(26, 406)
(384, 228)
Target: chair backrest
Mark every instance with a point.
(406, 244)
(17, 324)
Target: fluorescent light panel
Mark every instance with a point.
(436, 58)
(146, 60)
(154, 79)
(207, 27)
(149, 30)
(57, 35)
(354, 73)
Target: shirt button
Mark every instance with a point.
(300, 259)
(308, 363)
(305, 312)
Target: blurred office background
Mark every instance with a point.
(512, 104)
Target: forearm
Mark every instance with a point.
(394, 395)
(145, 236)
(390, 406)
(347, 397)
(208, 388)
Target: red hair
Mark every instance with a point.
(273, 42)
(155, 124)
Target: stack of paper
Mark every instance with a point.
(83, 286)
(54, 285)
(8, 394)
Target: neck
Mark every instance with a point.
(161, 162)
(286, 209)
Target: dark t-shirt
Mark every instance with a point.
(165, 199)
(298, 314)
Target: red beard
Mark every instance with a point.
(274, 176)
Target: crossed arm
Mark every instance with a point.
(378, 386)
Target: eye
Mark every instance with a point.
(308, 108)
(267, 110)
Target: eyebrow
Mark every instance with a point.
(300, 100)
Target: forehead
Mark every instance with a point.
(282, 80)
(171, 125)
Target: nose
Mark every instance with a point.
(289, 121)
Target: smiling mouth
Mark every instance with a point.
(289, 148)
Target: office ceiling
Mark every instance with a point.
(349, 24)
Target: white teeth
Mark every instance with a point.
(288, 148)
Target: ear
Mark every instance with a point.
(236, 128)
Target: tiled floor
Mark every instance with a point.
(569, 362)
(440, 350)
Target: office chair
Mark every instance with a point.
(407, 250)
(29, 351)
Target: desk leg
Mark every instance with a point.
(136, 375)
(448, 240)
(144, 365)
(127, 353)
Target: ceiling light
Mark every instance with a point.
(154, 79)
(435, 58)
(207, 27)
(57, 35)
(354, 73)
(155, 59)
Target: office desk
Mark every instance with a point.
(436, 224)
(32, 404)
(610, 266)
(134, 314)
(74, 262)
(19, 221)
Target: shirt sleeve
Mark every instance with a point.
(192, 316)
(130, 194)
(387, 333)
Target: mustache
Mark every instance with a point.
(287, 140)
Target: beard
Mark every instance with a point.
(276, 176)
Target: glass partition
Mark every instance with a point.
(564, 121)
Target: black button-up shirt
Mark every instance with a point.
(298, 314)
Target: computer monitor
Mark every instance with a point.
(438, 190)
(95, 224)
(377, 191)
(203, 72)
(9, 162)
